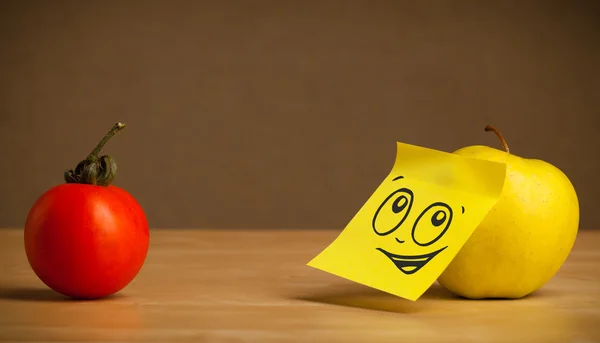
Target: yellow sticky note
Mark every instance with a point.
(415, 222)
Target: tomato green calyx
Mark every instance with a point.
(96, 170)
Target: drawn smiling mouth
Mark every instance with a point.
(410, 264)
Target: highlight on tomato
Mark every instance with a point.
(87, 238)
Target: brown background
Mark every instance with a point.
(285, 114)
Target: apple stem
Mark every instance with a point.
(493, 129)
(95, 169)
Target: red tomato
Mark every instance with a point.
(86, 241)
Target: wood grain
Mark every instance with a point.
(254, 286)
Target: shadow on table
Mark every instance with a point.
(368, 298)
(37, 294)
(358, 296)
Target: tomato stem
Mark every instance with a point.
(95, 169)
(93, 156)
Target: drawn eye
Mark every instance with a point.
(393, 211)
(432, 224)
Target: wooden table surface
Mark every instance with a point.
(254, 286)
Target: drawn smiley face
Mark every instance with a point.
(428, 228)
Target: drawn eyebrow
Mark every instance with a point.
(398, 178)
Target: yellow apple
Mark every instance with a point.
(524, 239)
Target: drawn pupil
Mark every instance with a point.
(438, 218)
(398, 207)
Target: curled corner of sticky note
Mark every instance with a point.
(446, 169)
